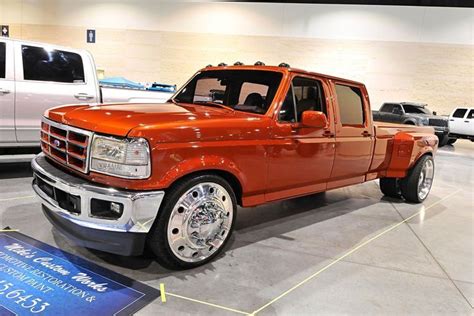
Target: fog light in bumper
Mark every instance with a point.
(106, 209)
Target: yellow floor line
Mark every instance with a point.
(17, 198)
(162, 293)
(349, 253)
(8, 230)
(206, 303)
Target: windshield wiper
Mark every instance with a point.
(215, 104)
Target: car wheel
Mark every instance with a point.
(390, 187)
(452, 141)
(194, 223)
(416, 186)
(443, 140)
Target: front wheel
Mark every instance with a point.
(452, 141)
(416, 186)
(194, 223)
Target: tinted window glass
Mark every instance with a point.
(387, 107)
(470, 115)
(309, 96)
(243, 90)
(460, 113)
(51, 65)
(2, 60)
(415, 109)
(287, 111)
(350, 105)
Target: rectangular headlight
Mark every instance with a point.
(126, 158)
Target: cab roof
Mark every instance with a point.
(281, 69)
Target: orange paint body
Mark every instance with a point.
(269, 160)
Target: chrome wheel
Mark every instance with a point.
(200, 222)
(425, 180)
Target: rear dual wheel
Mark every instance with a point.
(194, 222)
(416, 186)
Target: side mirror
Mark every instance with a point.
(434, 113)
(314, 119)
(396, 111)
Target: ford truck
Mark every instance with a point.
(168, 178)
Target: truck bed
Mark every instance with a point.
(384, 128)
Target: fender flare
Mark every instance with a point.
(409, 122)
(403, 157)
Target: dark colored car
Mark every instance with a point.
(413, 114)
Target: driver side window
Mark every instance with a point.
(304, 95)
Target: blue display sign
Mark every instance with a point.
(36, 278)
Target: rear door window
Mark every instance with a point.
(2, 59)
(41, 64)
(351, 106)
(471, 114)
(459, 113)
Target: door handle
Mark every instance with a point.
(4, 91)
(365, 134)
(452, 120)
(466, 121)
(328, 134)
(83, 96)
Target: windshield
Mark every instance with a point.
(242, 90)
(415, 109)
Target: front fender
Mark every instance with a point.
(202, 163)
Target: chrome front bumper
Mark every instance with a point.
(139, 208)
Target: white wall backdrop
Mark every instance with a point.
(353, 22)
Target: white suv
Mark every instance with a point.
(461, 124)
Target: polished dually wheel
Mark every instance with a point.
(425, 179)
(200, 222)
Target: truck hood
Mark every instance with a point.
(120, 119)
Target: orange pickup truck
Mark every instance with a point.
(120, 177)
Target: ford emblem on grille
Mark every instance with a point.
(57, 143)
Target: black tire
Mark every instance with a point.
(409, 184)
(443, 140)
(390, 187)
(157, 240)
(452, 141)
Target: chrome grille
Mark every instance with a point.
(66, 144)
(438, 122)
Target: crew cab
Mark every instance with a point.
(36, 76)
(119, 177)
(461, 123)
(414, 114)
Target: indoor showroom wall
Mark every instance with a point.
(402, 53)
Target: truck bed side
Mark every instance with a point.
(398, 147)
